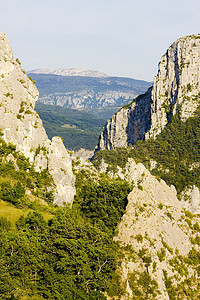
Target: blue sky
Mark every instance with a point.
(120, 37)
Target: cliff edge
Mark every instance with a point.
(21, 125)
(176, 89)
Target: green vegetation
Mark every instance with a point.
(161, 254)
(14, 181)
(79, 129)
(48, 252)
(31, 79)
(143, 286)
(187, 287)
(104, 200)
(146, 258)
(66, 258)
(9, 95)
(176, 150)
(18, 61)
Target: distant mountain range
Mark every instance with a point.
(70, 72)
(80, 89)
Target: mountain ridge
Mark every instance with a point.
(83, 92)
(74, 71)
(175, 90)
(126, 234)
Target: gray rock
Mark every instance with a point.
(22, 126)
(175, 89)
(154, 219)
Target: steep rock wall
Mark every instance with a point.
(176, 88)
(155, 226)
(22, 126)
(177, 85)
(128, 125)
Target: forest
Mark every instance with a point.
(79, 129)
(50, 252)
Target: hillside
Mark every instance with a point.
(126, 227)
(21, 125)
(160, 229)
(42, 243)
(150, 142)
(173, 156)
(88, 99)
(47, 251)
(79, 129)
(86, 91)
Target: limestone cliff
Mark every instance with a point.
(158, 237)
(176, 88)
(128, 125)
(22, 126)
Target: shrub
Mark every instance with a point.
(5, 225)
(161, 254)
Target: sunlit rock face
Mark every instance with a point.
(175, 90)
(155, 228)
(22, 126)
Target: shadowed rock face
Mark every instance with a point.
(22, 126)
(128, 125)
(175, 89)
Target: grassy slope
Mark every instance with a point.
(12, 213)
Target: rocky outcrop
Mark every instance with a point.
(190, 199)
(128, 125)
(21, 125)
(176, 88)
(157, 230)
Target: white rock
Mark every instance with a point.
(176, 89)
(155, 213)
(22, 126)
(190, 199)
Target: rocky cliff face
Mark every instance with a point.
(128, 125)
(22, 126)
(160, 236)
(176, 88)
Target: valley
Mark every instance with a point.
(124, 224)
(79, 129)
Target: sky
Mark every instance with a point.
(120, 37)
